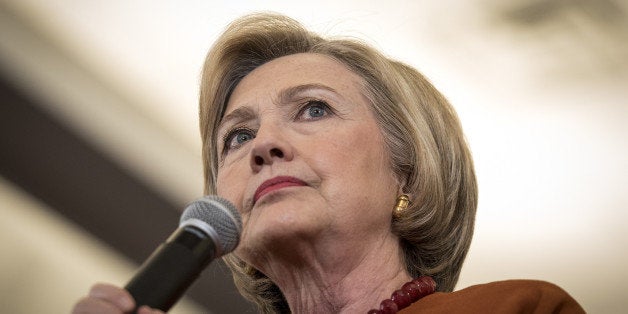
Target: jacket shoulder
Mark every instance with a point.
(510, 296)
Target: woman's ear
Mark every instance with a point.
(402, 183)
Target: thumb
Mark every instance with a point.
(144, 309)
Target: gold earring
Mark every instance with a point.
(402, 204)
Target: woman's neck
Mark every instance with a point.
(343, 281)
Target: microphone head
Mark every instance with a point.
(224, 224)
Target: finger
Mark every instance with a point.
(117, 296)
(147, 310)
(90, 305)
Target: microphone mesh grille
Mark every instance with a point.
(219, 214)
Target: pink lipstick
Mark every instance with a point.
(274, 184)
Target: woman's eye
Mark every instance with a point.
(237, 137)
(314, 109)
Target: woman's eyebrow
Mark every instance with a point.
(292, 93)
(240, 114)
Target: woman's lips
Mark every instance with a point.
(274, 184)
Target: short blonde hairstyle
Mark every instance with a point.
(428, 152)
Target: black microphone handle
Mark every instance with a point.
(172, 268)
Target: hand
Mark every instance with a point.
(106, 298)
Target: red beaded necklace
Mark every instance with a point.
(409, 293)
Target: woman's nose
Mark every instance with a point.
(269, 146)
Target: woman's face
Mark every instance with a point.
(303, 159)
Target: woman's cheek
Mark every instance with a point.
(228, 188)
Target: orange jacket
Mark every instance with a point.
(512, 296)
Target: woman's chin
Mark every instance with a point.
(278, 230)
(277, 235)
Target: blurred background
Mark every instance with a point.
(100, 151)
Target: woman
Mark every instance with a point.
(352, 176)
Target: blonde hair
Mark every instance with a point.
(428, 152)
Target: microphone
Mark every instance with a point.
(209, 228)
